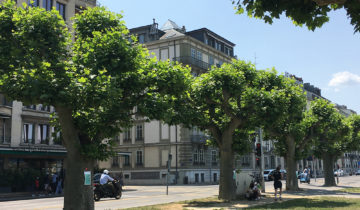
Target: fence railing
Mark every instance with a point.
(192, 61)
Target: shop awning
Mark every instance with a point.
(29, 152)
(4, 116)
(124, 153)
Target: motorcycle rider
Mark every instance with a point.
(106, 181)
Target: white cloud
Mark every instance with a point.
(344, 78)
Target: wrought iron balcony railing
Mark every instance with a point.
(5, 139)
(198, 138)
(192, 62)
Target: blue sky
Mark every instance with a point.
(328, 58)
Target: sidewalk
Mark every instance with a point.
(24, 195)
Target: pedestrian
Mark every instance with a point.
(37, 184)
(277, 182)
(54, 182)
(47, 183)
(59, 186)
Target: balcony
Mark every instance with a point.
(193, 62)
(200, 139)
(91, 2)
(5, 139)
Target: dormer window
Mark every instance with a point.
(141, 38)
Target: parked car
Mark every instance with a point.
(268, 174)
(339, 172)
(357, 172)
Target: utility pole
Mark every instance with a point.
(176, 155)
(262, 164)
(168, 173)
(315, 164)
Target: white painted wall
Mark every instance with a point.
(151, 134)
(16, 124)
(165, 131)
(151, 158)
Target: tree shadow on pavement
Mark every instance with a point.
(216, 203)
(303, 203)
(315, 192)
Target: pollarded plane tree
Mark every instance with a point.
(94, 82)
(312, 13)
(229, 102)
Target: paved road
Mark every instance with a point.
(135, 196)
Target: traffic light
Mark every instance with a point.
(258, 149)
(258, 162)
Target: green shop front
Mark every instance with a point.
(19, 167)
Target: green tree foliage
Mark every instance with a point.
(230, 102)
(312, 13)
(94, 79)
(291, 132)
(354, 123)
(331, 136)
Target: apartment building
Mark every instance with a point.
(349, 160)
(25, 132)
(145, 149)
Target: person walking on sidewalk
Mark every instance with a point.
(277, 182)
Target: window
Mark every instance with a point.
(193, 53)
(28, 133)
(43, 133)
(127, 134)
(139, 133)
(61, 8)
(44, 108)
(139, 158)
(199, 55)
(126, 160)
(211, 60)
(213, 156)
(34, 3)
(201, 156)
(217, 45)
(4, 101)
(31, 107)
(115, 161)
(196, 156)
(245, 161)
(47, 4)
(141, 38)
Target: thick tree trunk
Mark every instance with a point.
(77, 196)
(291, 178)
(329, 169)
(227, 183)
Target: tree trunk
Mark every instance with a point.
(77, 196)
(329, 169)
(227, 183)
(291, 178)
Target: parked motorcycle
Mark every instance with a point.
(113, 190)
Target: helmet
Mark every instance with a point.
(106, 171)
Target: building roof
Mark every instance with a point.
(213, 34)
(171, 33)
(169, 24)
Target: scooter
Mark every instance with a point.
(110, 191)
(304, 178)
